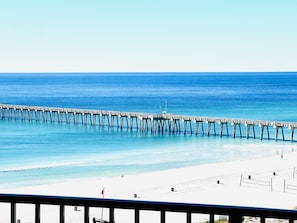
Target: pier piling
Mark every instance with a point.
(264, 125)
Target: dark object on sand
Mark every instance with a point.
(95, 220)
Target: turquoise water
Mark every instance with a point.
(38, 152)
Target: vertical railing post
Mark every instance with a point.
(163, 214)
(86, 214)
(13, 212)
(189, 217)
(211, 218)
(62, 213)
(136, 215)
(111, 215)
(37, 213)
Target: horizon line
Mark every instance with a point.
(147, 72)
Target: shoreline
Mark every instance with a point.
(225, 183)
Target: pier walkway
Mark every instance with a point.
(154, 123)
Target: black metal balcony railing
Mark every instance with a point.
(234, 213)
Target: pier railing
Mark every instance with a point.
(148, 122)
(233, 214)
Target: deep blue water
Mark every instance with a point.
(38, 152)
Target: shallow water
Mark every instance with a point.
(39, 152)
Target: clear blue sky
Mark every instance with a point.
(148, 35)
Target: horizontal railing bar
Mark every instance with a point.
(150, 205)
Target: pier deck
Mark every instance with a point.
(147, 122)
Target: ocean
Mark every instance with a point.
(40, 152)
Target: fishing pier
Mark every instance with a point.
(153, 123)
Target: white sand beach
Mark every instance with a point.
(222, 183)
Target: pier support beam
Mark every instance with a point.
(3, 113)
(186, 122)
(209, 124)
(292, 128)
(59, 114)
(175, 126)
(223, 123)
(277, 127)
(92, 119)
(16, 114)
(23, 112)
(111, 119)
(152, 123)
(106, 117)
(30, 115)
(37, 115)
(235, 124)
(101, 120)
(82, 118)
(9, 113)
(144, 124)
(248, 125)
(132, 118)
(167, 125)
(52, 116)
(44, 116)
(264, 125)
(122, 118)
(160, 125)
(197, 122)
(67, 115)
(75, 118)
